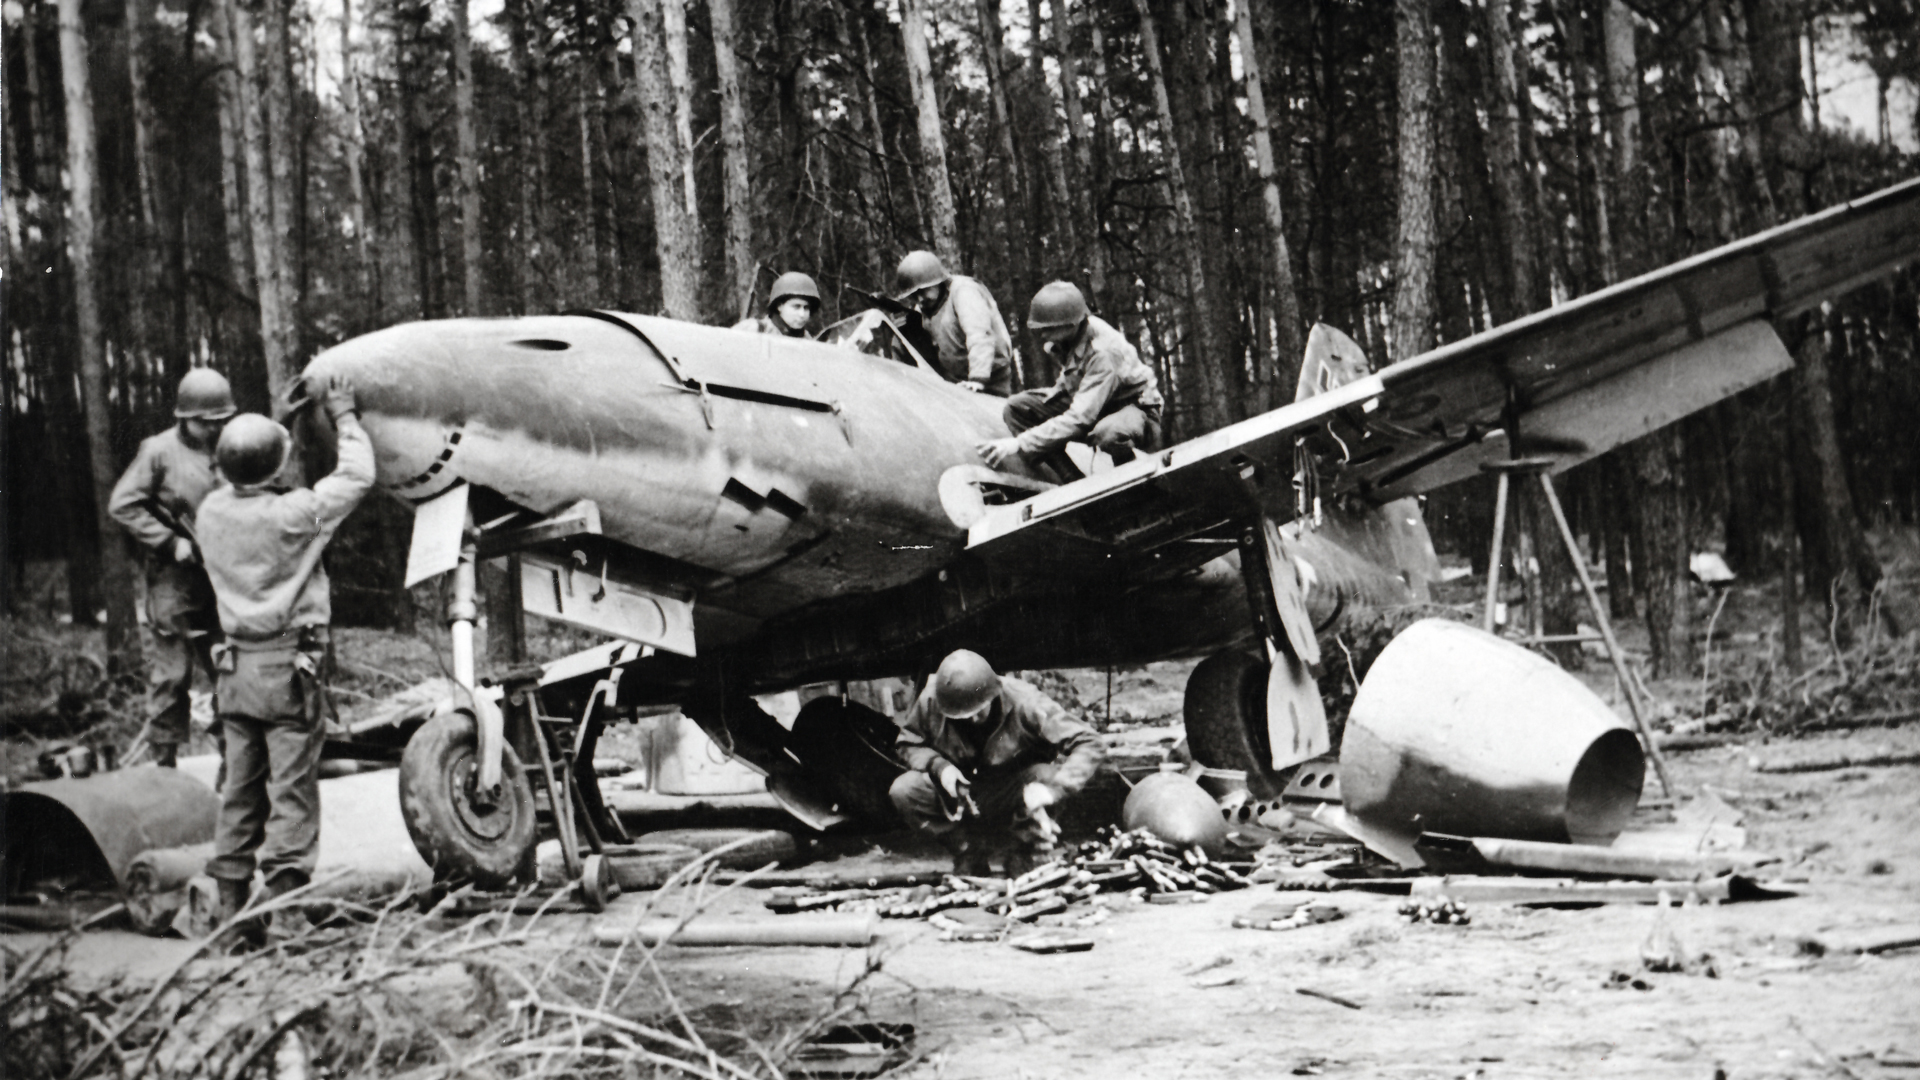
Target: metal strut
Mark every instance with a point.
(1539, 467)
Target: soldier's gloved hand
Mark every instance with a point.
(183, 552)
(1037, 796)
(997, 451)
(951, 779)
(340, 398)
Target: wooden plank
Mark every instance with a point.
(1527, 891)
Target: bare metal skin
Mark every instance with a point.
(803, 487)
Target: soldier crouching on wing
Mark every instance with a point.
(155, 501)
(790, 307)
(262, 547)
(985, 757)
(1105, 393)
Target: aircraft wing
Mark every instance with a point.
(1572, 382)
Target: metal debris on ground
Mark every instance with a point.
(1442, 913)
(1052, 941)
(1070, 892)
(1288, 915)
(853, 1050)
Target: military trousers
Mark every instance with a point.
(270, 801)
(1003, 812)
(181, 630)
(1120, 433)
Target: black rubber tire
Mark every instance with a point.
(462, 841)
(1226, 716)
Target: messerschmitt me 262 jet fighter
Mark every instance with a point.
(743, 514)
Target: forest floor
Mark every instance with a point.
(1176, 991)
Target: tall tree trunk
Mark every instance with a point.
(1850, 570)
(1595, 210)
(1064, 251)
(139, 15)
(466, 159)
(1093, 248)
(1660, 493)
(1508, 166)
(673, 19)
(741, 260)
(1556, 605)
(275, 319)
(526, 35)
(123, 642)
(1413, 263)
(1657, 460)
(1209, 358)
(352, 147)
(1022, 231)
(1287, 342)
(283, 139)
(1790, 561)
(1827, 510)
(877, 138)
(941, 218)
(588, 258)
(676, 231)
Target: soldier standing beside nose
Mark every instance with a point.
(156, 500)
(262, 546)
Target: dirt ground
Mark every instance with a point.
(1518, 993)
(1176, 991)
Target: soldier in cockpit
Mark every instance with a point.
(791, 306)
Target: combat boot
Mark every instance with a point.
(1023, 858)
(166, 755)
(287, 923)
(969, 857)
(246, 934)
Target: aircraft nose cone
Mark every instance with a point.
(405, 383)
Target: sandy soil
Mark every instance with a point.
(1519, 992)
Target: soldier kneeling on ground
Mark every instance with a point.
(986, 756)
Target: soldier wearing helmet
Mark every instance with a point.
(1105, 394)
(986, 755)
(791, 306)
(262, 546)
(971, 343)
(155, 500)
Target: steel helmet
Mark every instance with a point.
(205, 395)
(1058, 303)
(919, 270)
(965, 683)
(252, 449)
(791, 284)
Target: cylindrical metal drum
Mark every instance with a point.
(1456, 731)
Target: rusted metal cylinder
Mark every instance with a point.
(1457, 731)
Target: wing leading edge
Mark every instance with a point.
(1573, 381)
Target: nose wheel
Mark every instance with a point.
(466, 831)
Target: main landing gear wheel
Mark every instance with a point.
(464, 833)
(1226, 717)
